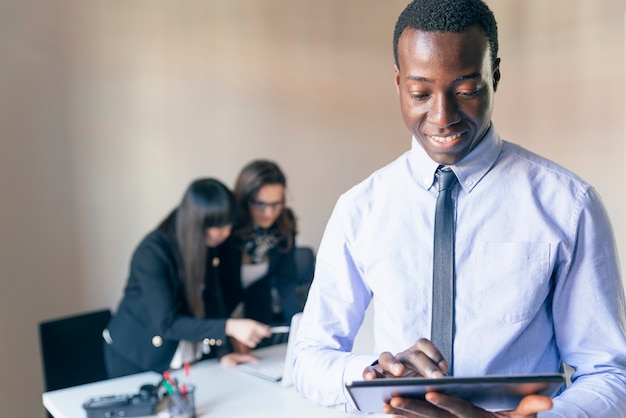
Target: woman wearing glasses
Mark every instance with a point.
(263, 243)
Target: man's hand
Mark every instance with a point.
(424, 360)
(443, 406)
(421, 360)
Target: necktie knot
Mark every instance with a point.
(446, 178)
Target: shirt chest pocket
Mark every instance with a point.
(513, 279)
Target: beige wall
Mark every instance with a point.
(109, 108)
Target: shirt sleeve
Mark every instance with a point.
(335, 309)
(589, 318)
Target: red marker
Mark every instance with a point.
(183, 388)
(167, 377)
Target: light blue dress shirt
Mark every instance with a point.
(537, 278)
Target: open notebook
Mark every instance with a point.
(274, 361)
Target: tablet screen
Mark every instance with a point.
(493, 393)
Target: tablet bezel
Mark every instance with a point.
(493, 393)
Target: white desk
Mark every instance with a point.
(220, 392)
(68, 403)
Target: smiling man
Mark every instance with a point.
(536, 281)
(447, 107)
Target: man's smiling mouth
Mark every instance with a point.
(444, 139)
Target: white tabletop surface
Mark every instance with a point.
(68, 403)
(220, 392)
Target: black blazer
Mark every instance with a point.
(281, 275)
(154, 315)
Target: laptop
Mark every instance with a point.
(275, 361)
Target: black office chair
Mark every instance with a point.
(305, 265)
(71, 349)
(304, 258)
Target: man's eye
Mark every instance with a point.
(468, 93)
(418, 96)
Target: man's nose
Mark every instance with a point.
(444, 111)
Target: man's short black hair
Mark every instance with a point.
(447, 16)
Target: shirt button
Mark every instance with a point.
(157, 341)
(469, 182)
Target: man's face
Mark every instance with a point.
(446, 83)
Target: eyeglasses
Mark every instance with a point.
(262, 206)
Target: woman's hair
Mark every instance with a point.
(206, 203)
(252, 177)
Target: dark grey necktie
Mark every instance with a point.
(443, 267)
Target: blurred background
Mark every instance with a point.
(109, 108)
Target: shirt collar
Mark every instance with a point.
(470, 170)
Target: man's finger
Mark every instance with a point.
(390, 364)
(410, 408)
(529, 406)
(532, 404)
(426, 348)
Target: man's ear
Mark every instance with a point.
(496, 73)
(397, 78)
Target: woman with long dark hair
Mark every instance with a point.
(179, 296)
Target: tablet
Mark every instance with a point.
(493, 393)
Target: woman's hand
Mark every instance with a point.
(233, 359)
(239, 347)
(247, 331)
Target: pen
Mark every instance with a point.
(183, 387)
(173, 382)
(282, 329)
(182, 407)
(168, 377)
